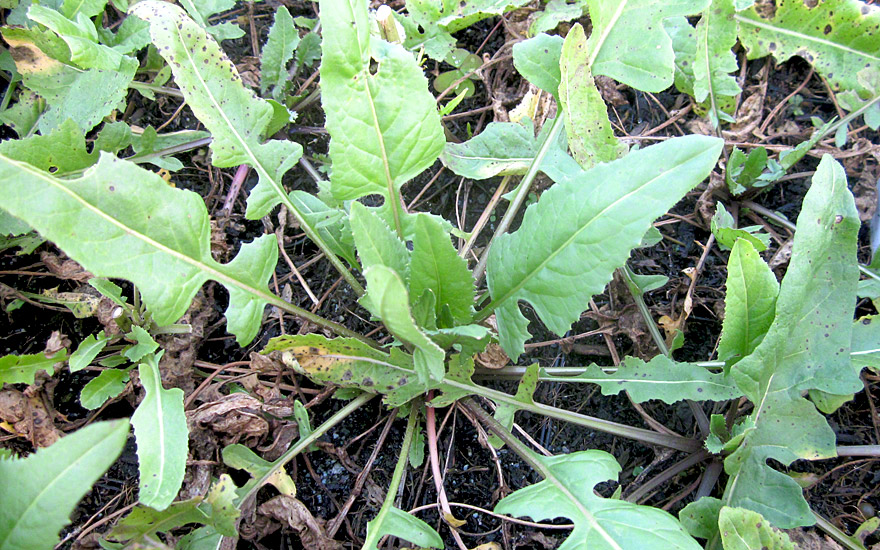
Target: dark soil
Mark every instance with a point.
(845, 490)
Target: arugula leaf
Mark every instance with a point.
(388, 299)
(620, 31)
(436, 266)
(837, 37)
(60, 151)
(84, 95)
(743, 529)
(590, 136)
(600, 523)
(507, 148)
(42, 490)
(537, 59)
(277, 53)
(106, 385)
(660, 378)
(750, 304)
(162, 438)
(376, 243)
(21, 369)
(378, 141)
(88, 349)
(806, 347)
(580, 230)
(716, 36)
(350, 363)
(154, 235)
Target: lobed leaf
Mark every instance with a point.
(232, 113)
(383, 124)
(277, 53)
(580, 230)
(436, 266)
(590, 136)
(621, 28)
(42, 490)
(838, 37)
(154, 235)
(162, 438)
(660, 378)
(806, 347)
(376, 242)
(21, 369)
(600, 523)
(716, 35)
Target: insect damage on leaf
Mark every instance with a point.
(350, 363)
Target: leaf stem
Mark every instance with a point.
(373, 535)
(831, 530)
(304, 443)
(140, 86)
(676, 442)
(522, 191)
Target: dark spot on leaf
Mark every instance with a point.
(827, 29)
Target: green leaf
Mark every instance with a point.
(383, 124)
(838, 37)
(504, 412)
(865, 351)
(852, 101)
(243, 458)
(660, 378)
(232, 113)
(277, 53)
(329, 222)
(43, 489)
(106, 385)
(154, 235)
(87, 350)
(203, 538)
(376, 243)
(24, 115)
(144, 521)
(581, 230)
(590, 136)
(388, 299)
(537, 59)
(61, 151)
(555, 12)
(700, 518)
(21, 369)
(506, 148)
(405, 526)
(716, 35)
(84, 8)
(350, 363)
(743, 529)
(826, 402)
(162, 438)
(620, 31)
(600, 523)
(220, 506)
(468, 339)
(436, 266)
(84, 95)
(750, 303)
(743, 171)
(806, 347)
(9, 224)
(201, 10)
(145, 344)
(82, 39)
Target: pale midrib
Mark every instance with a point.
(49, 487)
(490, 159)
(207, 269)
(599, 215)
(157, 382)
(389, 181)
(604, 35)
(709, 87)
(802, 36)
(258, 166)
